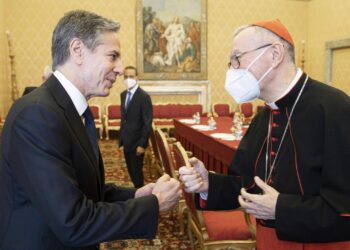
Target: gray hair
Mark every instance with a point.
(266, 35)
(86, 26)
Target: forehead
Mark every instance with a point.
(110, 41)
(129, 72)
(244, 40)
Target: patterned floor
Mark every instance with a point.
(168, 236)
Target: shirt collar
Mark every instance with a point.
(133, 89)
(295, 80)
(75, 95)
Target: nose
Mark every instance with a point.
(118, 69)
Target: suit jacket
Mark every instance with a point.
(52, 190)
(136, 126)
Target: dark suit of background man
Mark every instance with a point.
(136, 110)
(52, 190)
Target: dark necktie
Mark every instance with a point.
(128, 99)
(91, 130)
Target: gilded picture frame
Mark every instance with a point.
(171, 39)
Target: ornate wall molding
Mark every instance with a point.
(330, 47)
(201, 89)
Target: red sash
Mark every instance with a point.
(266, 239)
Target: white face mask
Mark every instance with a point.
(129, 82)
(242, 85)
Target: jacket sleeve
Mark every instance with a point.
(223, 192)
(114, 193)
(41, 152)
(147, 116)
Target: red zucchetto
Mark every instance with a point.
(275, 26)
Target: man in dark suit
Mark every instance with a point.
(136, 126)
(52, 190)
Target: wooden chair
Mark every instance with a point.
(112, 118)
(221, 109)
(231, 229)
(246, 109)
(165, 153)
(152, 156)
(259, 108)
(96, 113)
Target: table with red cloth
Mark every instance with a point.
(216, 154)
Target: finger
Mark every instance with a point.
(185, 178)
(252, 212)
(164, 177)
(243, 202)
(151, 185)
(193, 160)
(261, 184)
(186, 170)
(174, 182)
(193, 188)
(249, 197)
(192, 182)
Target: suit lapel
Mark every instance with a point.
(134, 98)
(122, 100)
(73, 119)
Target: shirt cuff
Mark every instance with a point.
(204, 195)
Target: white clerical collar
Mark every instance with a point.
(75, 95)
(295, 80)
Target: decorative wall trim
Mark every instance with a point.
(330, 47)
(202, 89)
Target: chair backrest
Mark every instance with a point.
(164, 152)
(154, 144)
(180, 155)
(96, 111)
(113, 112)
(259, 108)
(221, 109)
(181, 159)
(247, 109)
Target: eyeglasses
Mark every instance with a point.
(234, 60)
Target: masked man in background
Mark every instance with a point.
(136, 126)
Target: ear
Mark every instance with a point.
(76, 49)
(278, 54)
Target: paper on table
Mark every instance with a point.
(220, 135)
(188, 121)
(201, 127)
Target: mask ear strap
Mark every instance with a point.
(257, 58)
(265, 74)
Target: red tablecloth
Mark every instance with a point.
(216, 154)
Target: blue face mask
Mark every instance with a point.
(242, 85)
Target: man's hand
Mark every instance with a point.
(195, 178)
(140, 150)
(145, 190)
(261, 206)
(168, 192)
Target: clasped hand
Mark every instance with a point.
(261, 206)
(194, 177)
(166, 189)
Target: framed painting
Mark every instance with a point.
(171, 39)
